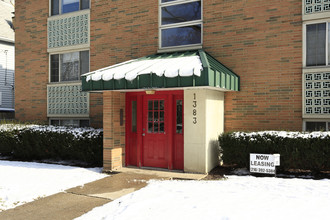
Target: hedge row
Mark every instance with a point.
(307, 151)
(52, 143)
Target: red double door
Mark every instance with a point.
(154, 129)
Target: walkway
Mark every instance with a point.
(77, 201)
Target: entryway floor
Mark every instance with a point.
(79, 200)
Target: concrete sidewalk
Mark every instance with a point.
(77, 201)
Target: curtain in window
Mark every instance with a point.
(70, 66)
(315, 44)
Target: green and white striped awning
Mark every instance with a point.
(166, 70)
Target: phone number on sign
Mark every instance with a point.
(262, 170)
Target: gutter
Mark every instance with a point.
(7, 40)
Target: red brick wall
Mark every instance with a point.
(261, 41)
(31, 60)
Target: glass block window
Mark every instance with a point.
(317, 93)
(180, 23)
(316, 6)
(68, 66)
(66, 6)
(67, 100)
(68, 31)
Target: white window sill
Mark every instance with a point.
(179, 48)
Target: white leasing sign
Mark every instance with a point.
(264, 163)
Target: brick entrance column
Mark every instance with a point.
(113, 130)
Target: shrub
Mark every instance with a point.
(308, 151)
(28, 143)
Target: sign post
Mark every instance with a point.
(264, 163)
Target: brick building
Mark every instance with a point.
(168, 76)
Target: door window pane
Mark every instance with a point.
(180, 36)
(156, 105)
(150, 105)
(156, 127)
(161, 127)
(150, 116)
(134, 116)
(161, 105)
(179, 116)
(150, 127)
(161, 117)
(181, 13)
(70, 6)
(156, 116)
(315, 44)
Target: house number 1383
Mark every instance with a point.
(194, 109)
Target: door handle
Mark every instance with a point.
(143, 134)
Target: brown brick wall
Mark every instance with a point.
(32, 65)
(122, 30)
(261, 41)
(113, 131)
(31, 60)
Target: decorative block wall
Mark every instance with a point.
(317, 93)
(67, 100)
(315, 6)
(64, 31)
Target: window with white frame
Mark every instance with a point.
(70, 122)
(316, 44)
(68, 66)
(317, 125)
(180, 23)
(66, 6)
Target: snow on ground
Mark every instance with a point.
(238, 197)
(22, 182)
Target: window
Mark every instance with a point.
(316, 44)
(156, 121)
(180, 23)
(70, 122)
(68, 66)
(66, 6)
(317, 125)
(179, 116)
